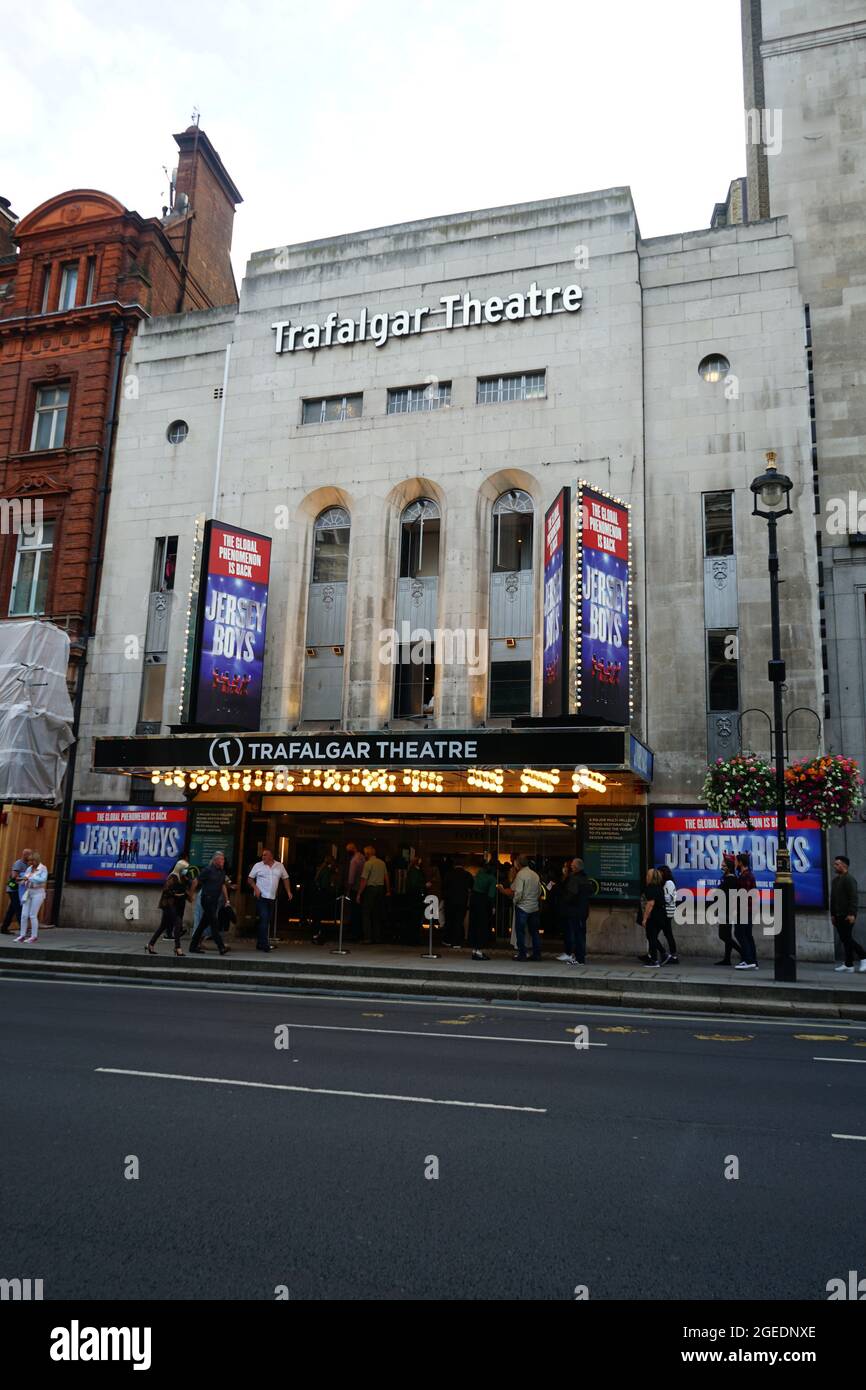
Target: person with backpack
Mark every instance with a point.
(669, 888)
(13, 888)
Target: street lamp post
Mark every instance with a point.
(772, 489)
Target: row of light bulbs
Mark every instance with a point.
(585, 779)
(370, 780)
(539, 779)
(487, 779)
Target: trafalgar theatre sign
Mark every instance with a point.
(455, 311)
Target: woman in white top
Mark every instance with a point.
(32, 888)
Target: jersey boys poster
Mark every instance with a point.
(555, 601)
(125, 844)
(603, 676)
(692, 842)
(232, 624)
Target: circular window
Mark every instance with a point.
(715, 367)
(177, 432)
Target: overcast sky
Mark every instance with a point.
(335, 115)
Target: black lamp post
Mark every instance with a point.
(772, 491)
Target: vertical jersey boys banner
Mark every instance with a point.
(602, 680)
(555, 606)
(233, 609)
(692, 842)
(124, 843)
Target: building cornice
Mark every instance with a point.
(814, 38)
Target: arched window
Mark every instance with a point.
(326, 617)
(417, 606)
(419, 540)
(513, 516)
(331, 546)
(511, 605)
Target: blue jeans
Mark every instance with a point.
(532, 922)
(265, 909)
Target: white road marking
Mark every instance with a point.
(850, 1136)
(321, 1091)
(419, 1033)
(857, 1061)
(552, 1011)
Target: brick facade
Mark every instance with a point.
(128, 268)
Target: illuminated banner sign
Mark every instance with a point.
(556, 599)
(692, 841)
(601, 597)
(233, 609)
(454, 311)
(114, 843)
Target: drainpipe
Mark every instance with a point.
(118, 333)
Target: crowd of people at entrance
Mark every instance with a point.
(476, 902)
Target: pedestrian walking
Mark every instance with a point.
(16, 873)
(32, 890)
(654, 917)
(212, 889)
(729, 886)
(456, 888)
(374, 888)
(265, 878)
(573, 911)
(744, 931)
(844, 902)
(669, 888)
(482, 901)
(187, 876)
(526, 895)
(173, 899)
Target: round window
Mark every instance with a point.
(177, 432)
(715, 367)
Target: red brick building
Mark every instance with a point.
(76, 276)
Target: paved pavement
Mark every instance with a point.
(297, 964)
(673, 1158)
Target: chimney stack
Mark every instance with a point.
(201, 221)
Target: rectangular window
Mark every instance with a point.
(164, 564)
(46, 289)
(32, 571)
(524, 386)
(91, 280)
(49, 417)
(718, 523)
(723, 683)
(68, 286)
(415, 681)
(406, 399)
(152, 690)
(510, 687)
(323, 412)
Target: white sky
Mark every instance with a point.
(335, 115)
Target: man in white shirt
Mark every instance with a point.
(264, 878)
(526, 895)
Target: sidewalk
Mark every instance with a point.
(696, 985)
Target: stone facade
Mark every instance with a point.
(624, 407)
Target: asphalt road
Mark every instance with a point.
(557, 1167)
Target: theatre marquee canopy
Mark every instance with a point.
(605, 749)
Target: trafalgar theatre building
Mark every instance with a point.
(443, 541)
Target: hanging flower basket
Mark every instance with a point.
(827, 789)
(737, 786)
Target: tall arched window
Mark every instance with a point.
(511, 604)
(417, 607)
(326, 617)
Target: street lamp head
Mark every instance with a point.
(773, 490)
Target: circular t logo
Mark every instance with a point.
(222, 750)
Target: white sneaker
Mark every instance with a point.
(743, 965)
(862, 966)
(20, 938)
(563, 957)
(840, 969)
